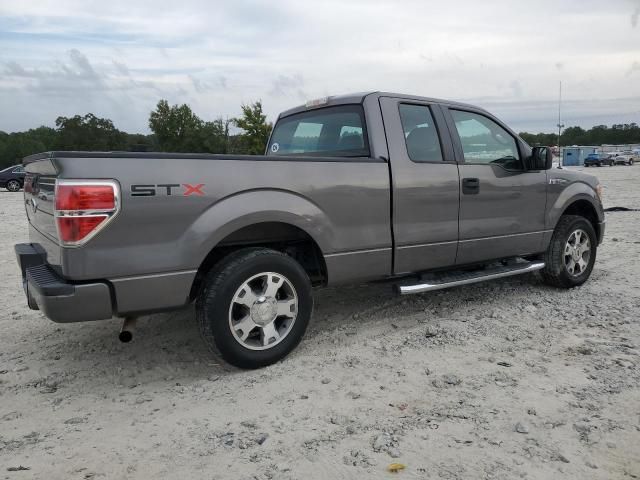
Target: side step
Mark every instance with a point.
(439, 281)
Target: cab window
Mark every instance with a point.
(420, 134)
(485, 142)
(338, 131)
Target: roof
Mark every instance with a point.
(360, 96)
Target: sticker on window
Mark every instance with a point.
(275, 147)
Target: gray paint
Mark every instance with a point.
(152, 292)
(425, 198)
(372, 218)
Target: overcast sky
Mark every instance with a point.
(117, 58)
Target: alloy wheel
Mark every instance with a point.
(263, 311)
(577, 253)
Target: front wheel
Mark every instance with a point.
(255, 307)
(14, 186)
(570, 257)
(630, 162)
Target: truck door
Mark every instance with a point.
(502, 205)
(425, 185)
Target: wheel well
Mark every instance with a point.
(584, 209)
(283, 237)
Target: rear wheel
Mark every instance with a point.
(255, 307)
(571, 254)
(14, 185)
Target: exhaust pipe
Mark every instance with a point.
(126, 332)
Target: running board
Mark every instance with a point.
(439, 281)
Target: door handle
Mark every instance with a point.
(470, 186)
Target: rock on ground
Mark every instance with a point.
(438, 380)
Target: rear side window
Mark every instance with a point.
(420, 133)
(331, 132)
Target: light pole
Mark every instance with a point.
(560, 125)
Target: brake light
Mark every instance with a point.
(85, 197)
(83, 208)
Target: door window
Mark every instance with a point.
(485, 142)
(420, 134)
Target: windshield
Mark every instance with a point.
(332, 132)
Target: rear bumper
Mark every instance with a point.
(60, 300)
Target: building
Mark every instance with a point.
(574, 156)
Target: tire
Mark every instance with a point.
(631, 162)
(14, 185)
(241, 279)
(557, 261)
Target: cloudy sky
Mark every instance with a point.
(117, 58)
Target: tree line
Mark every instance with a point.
(618, 134)
(176, 128)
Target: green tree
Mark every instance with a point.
(15, 146)
(176, 127)
(617, 134)
(214, 136)
(256, 129)
(88, 132)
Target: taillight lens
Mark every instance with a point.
(83, 207)
(74, 229)
(85, 197)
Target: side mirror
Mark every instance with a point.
(541, 158)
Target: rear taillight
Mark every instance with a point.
(83, 208)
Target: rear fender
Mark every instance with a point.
(257, 206)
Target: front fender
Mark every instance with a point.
(574, 192)
(257, 206)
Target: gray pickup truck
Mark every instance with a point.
(424, 193)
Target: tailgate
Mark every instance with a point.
(39, 191)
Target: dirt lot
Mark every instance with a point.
(500, 380)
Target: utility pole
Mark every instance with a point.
(560, 124)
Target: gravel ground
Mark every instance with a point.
(499, 380)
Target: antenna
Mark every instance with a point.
(560, 124)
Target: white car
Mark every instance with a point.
(624, 158)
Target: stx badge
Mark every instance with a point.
(167, 189)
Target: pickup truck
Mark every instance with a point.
(420, 192)
(598, 159)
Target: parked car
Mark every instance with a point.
(624, 158)
(598, 159)
(12, 178)
(426, 194)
